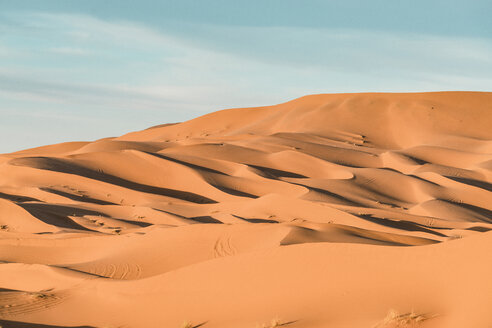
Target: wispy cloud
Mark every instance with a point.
(71, 51)
(6, 51)
(362, 52)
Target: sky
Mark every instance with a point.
(88, 69)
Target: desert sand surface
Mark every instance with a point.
(335, 210)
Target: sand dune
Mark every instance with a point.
(340, 210)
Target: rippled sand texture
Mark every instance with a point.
(344, 210)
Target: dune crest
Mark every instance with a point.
(340, 210)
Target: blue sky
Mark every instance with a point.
(82, 70)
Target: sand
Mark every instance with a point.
(335, 210)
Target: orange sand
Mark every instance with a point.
(344, 210)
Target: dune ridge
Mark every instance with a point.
(333, 210)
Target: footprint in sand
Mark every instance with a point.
(15, 302)
(224, 247)
(121, 271)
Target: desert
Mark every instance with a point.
(330, 210)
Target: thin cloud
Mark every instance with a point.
(71, 51)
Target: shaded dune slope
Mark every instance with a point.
(327, 176)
